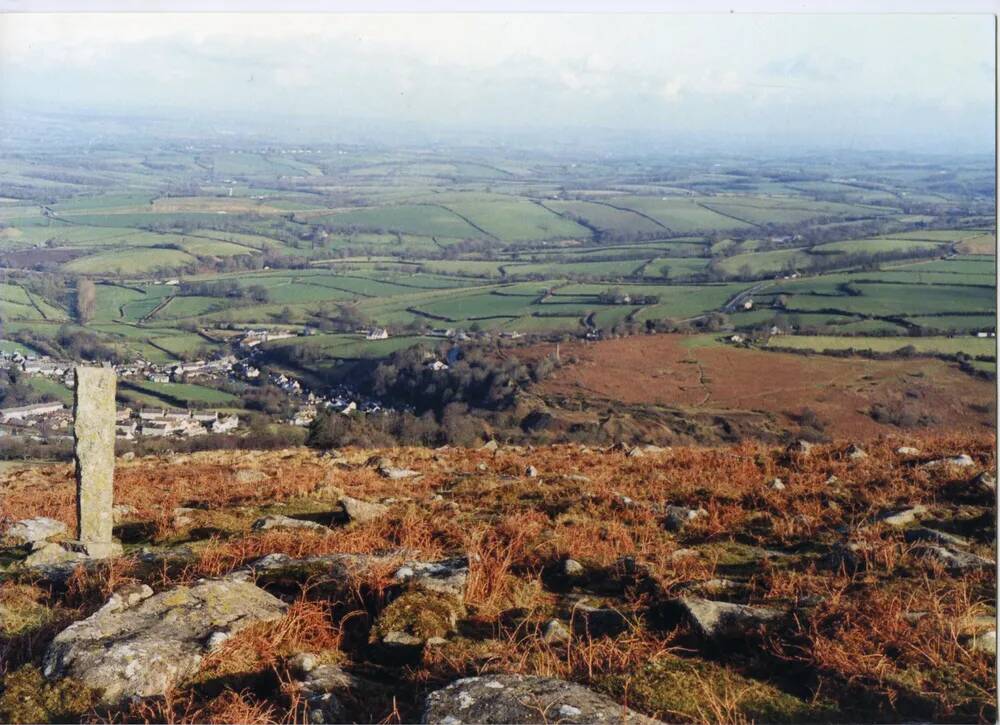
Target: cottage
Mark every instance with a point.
(377, 333)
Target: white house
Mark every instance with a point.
(23, 412)
(377, 333)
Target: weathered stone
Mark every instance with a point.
(140, 645)
(280, 521)
(397, 474)
(181, 517)
(856, 453)
(531, 472)
(636, 453)
(598, 621)
(360, 512)
(94, 451)
(319, 687)
(984, 642)
(40, 528)
(954, 560)
(960, 461)
(677, 517)
(572, 568)
(122, 512)
(718, 621)
(449, 576)
(127, 456)
(494, 699)
(51, 554)
(923, 533)
(908, 451)
(903, 516)
(490, 445)
(555, 631)
(801, 448)
(777, 485)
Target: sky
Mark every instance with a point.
(911, 82)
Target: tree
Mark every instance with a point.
(86, 300)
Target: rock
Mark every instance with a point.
(531, 472)
(494, 699)
(127, 456)
(982, 488)
(801, 448)
(397, 474)
(598, 621)
(923, 533)
(51, 555)
(417, 616)
(856, 453)
(319, 687)
(40, 528)
(636, 453)
(139, 646)
(181, 518)
(908, 451)
(960, 461)
(777, 485)
(572, 568)
(679, 554)
(654, 450)
(555, 632)
(280, 521)
(955, 561)
(903, 516)
(677, 517)
(985, 642)
(122, 512)
(490, 445)
(449, 576)
(849, 557)
(361, 512)
(717, 621)
(250, 475)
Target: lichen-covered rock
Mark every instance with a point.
(280, 521)
(40, 528)
(963, 460)
(358, 511)
(140, 645)
(718, 621)
(523, 699)
(449, 576)
(396, 474)
(593, 621)
(677, 517)
(903, 516)
(953, 559)
(321, 686)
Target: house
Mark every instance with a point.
(437, 365)
(377, 333)
(748, 305)
(736, 338)
(304, 415)
(349, 408)
(158, 377)
(226, 424)
(206, 416)
(9, 415)
(151, 414)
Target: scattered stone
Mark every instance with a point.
(449, 576)
(777, 485)
(984, 642)
(856, 453)
(181, 518)
(482, 467)
(572, 568)
(495, 699)
(397, 474)
(714, 587)
(960, 461)
(636, 453)
(122, 512)
(361, 512)
(655, 450)
(139, 645)
(956, 561)
(801, 448)
(127, 456)
(531, 472)
(717, 621)
(280, 521)
(924, 533)
(555, 632)
(903, 516)
(490, 445)
(598, 621)
(677, 517)
(983, 488)
(40, 528)
(832, 481)
(908, 451)
(319, 687)
(50, 554)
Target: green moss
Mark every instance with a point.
(422, 614)
(675, 689)
(28, 698)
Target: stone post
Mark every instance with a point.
(94, 451)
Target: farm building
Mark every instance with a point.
(9, 415)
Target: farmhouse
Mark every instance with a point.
(377, 333)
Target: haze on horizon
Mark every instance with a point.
(856, 82)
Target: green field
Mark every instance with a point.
(968, 345)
